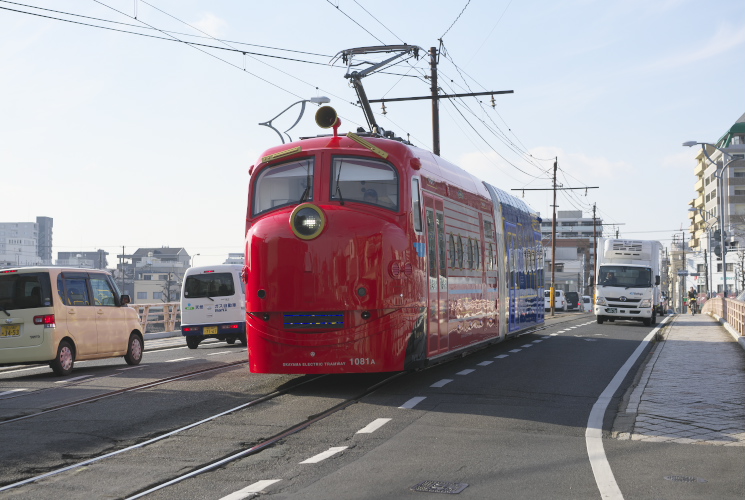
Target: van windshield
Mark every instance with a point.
(24, 291)
(209, 285)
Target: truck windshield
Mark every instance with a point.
(626, 276)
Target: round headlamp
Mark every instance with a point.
(307, 221)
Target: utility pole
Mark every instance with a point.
(435, 103)
(552, 295)
(594, 249)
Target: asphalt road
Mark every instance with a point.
(508, 421)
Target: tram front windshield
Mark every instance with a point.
(285, 184)
(364, 180)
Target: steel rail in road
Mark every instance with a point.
(261, 399)
(119, 392)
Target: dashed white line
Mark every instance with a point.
(221, 352)
(412, 403)
(501, 356)
(326, 454)
(485, 363)
(130, 368)
(442, 382)
(465, 372)
(12, 391)
(527, 345)
(178, 359)
(537, 341)
(374, 426)
(554, 334)
(73, 379)
(516, 350)
(257, 487)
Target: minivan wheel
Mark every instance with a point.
(193, 342)
(134, 350)
(62, 364)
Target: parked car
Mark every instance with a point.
(560, 303)
(572, 299)
(61, 315)
(586, 303)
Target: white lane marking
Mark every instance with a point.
(221, 352)
(537, 341)
(442, 382)
(527, 345)
(257, 487)
(326, 454)
(553, 334)
(130, 368)
(501, 356)
(412, 403)
(604, 477)
(73, 379)
(465, 372)
(374, 425)
(516, 350)
(485, 363)
(177, 359)
(12, 391)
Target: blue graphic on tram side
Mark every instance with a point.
(421, 249)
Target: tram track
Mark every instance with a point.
(117, 392)
(214, 463)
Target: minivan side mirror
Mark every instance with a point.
(124, 300)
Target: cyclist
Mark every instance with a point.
(692, 302)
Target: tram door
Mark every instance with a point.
(437, 277)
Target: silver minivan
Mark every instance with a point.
(59, 315)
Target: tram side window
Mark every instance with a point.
(281, 185)
(460, 252)
(365, 180)
(441, 243)
(451, 246)
(416, 204)
(469, 249)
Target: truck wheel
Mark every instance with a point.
(601, 320)
(193, 342)
(647, 321)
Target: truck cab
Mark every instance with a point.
(628, 281)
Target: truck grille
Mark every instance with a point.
(314, 320)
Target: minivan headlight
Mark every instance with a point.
(600, 301)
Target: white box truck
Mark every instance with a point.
(628, 280)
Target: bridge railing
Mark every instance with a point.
(731, 310)
(166, 314)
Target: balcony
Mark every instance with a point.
(699, 186)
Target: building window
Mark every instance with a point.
(739, 192)
(163, 277)
(158, 295)
(700, 268)
(141, 295)
(147, 277)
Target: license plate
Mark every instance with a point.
(10, 331)
(610, 310)
(210, 330)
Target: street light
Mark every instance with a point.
(720, 187)
(191, 260)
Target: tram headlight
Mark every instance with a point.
(307, 221)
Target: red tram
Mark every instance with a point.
(366, 254)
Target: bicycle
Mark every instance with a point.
(693, 306)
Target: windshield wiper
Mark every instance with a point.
(338, 189)
(5, 310)
(306, 193)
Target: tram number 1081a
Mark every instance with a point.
(361, 361)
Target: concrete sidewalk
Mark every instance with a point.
(692, 389)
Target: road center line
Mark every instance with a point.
(412, 403)
(604, 477)
(442, 382)
(374, 425)
(257, 487)
(177, 359)
(326, 454)
(465, 372)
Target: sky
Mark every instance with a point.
(131, 141)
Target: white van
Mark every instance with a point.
(213, 304)
(560, 303)
(59, 315)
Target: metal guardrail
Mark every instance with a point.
(731, 310)
(165, 313)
